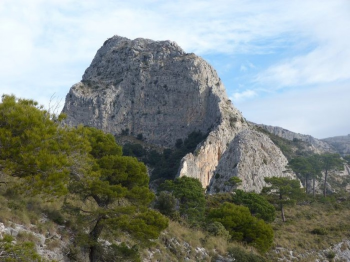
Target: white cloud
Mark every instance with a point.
(243, 68)
(246, 66)
(46, 45)
(241, 96)
(328, 61)
(321, 112)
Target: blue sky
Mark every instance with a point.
(284, 63)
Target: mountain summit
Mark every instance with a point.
(154, 90)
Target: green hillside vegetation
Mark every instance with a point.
(347, 159)
(76, 182)
(164, 163)
(320, 167)
(78, 178)
(101, 191)
(290, 149)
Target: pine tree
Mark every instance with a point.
(105, 192)
(284, 191)
(34, 150)
(242, 226)
(190, 193)
(330, 162)
(115, 196)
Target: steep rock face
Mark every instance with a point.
(155, 89)
(203, 162)
(340, 143)
(149, 88)
(317, 146)
(251, 156)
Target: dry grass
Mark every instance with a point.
(316, 226)
(178, 243)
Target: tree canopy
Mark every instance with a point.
(242, 226)
(105, 192)
(190, 194)
(34, 147)
(116, 197)
(283, 191)
(307, 167)
(257, 204)
(330, 162)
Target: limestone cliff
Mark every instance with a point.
(156, 89)
(149, 88)
(251, 156)
(316, 145)
(340, 143)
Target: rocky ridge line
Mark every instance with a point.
(340, 143)
(316, 145)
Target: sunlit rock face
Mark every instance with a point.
(251, 156)
(155, 89)
(150, 88)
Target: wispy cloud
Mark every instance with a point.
(46, 45)
(319, 111)
(327, 28)
(241, 96)
(246, 66)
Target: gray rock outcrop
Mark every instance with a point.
(340, 143)
(42, 242)
(156, 89)
(317, 146)
(251, 156)
(149, 88)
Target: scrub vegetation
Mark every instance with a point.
(79, 183)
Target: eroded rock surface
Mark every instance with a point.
(316, 145)
(251, 156)
(156, 89)
(149, 88)
(340, 143)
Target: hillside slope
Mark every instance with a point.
(340, 143)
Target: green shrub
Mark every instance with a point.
(217, 229)
(140, 137)
(330, 255)
(11, 251)
(243, 256)
(166, 164)
(166, 203)
(135, 150)
(257, 204)
(190, 195)
(243, 226)
(235, 181)
(319, 231)
(121, 253)
(55, 216)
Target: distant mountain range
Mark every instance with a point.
(337, 144)
(340, 143)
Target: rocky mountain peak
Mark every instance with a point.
(154, 90)
(109, 61)
(150, 88)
